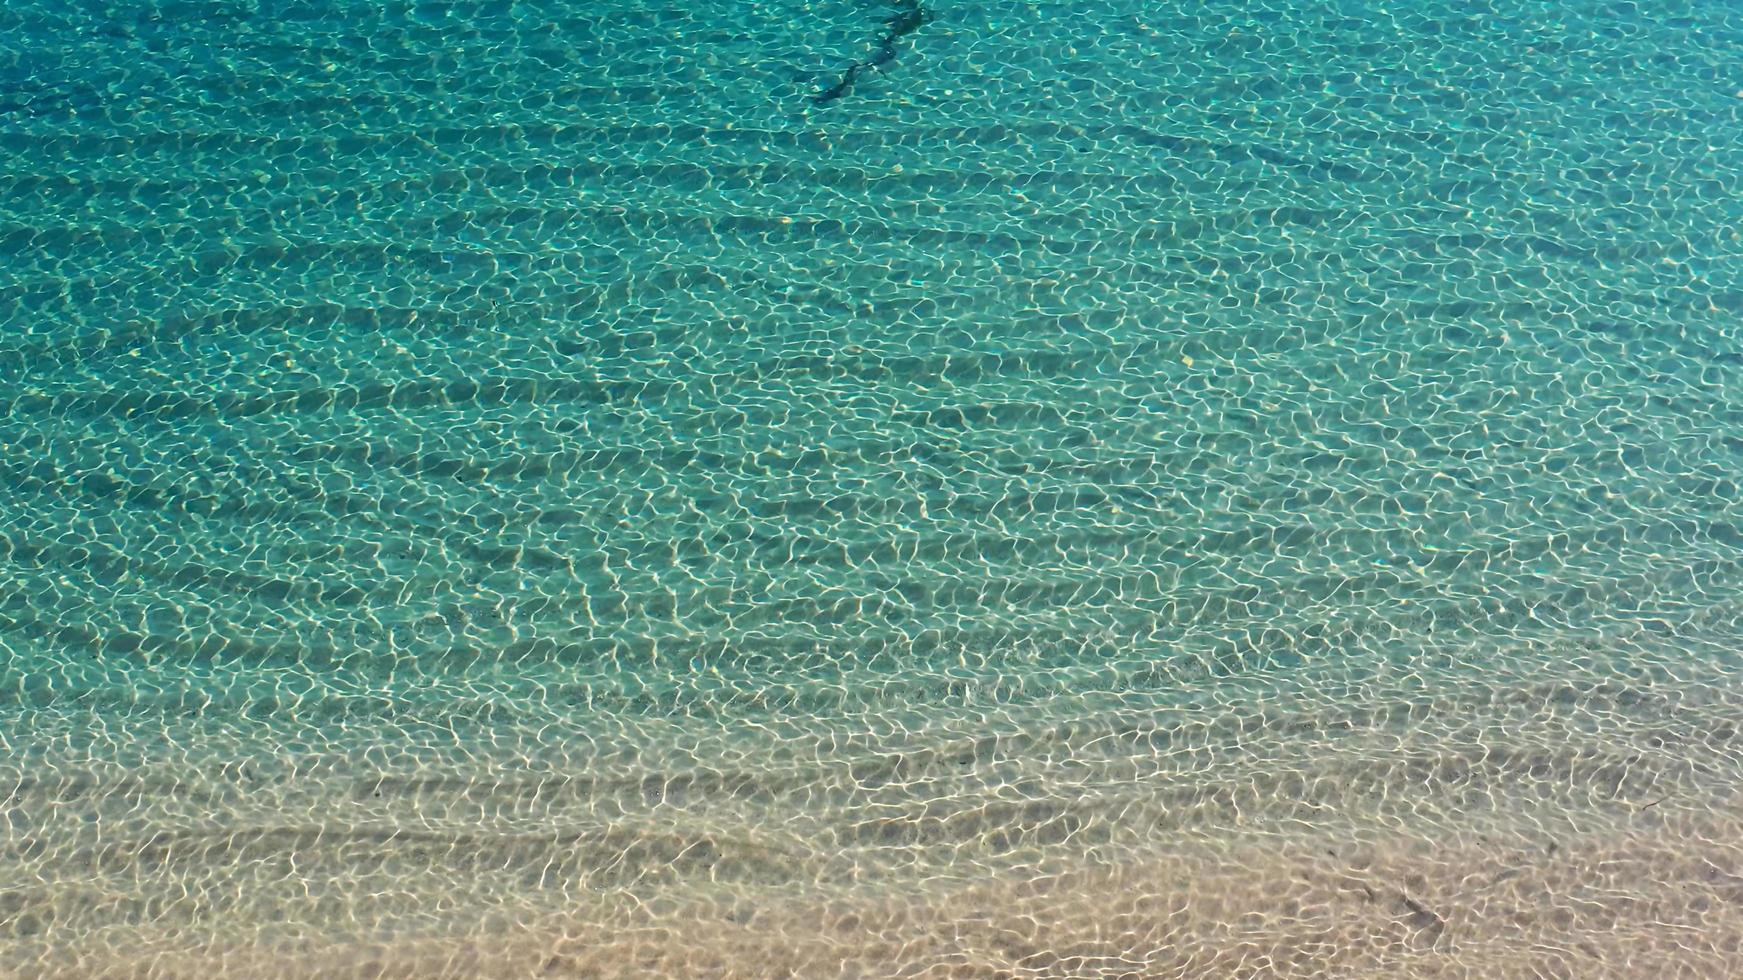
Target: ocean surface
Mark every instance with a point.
(594, 488)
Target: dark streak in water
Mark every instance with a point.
(906, 20)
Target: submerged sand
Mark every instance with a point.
(1547, 819)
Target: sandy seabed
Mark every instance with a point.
(1539, 820)
(1653, 900)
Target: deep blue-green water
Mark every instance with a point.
(1127, 489)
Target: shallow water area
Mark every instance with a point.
(1123, 490)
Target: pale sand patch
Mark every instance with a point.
(1662, 898)
(1558, 820)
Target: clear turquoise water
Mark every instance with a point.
(466, 467)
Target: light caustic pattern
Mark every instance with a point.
(1200, 490)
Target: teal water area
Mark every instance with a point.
(533, 480)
